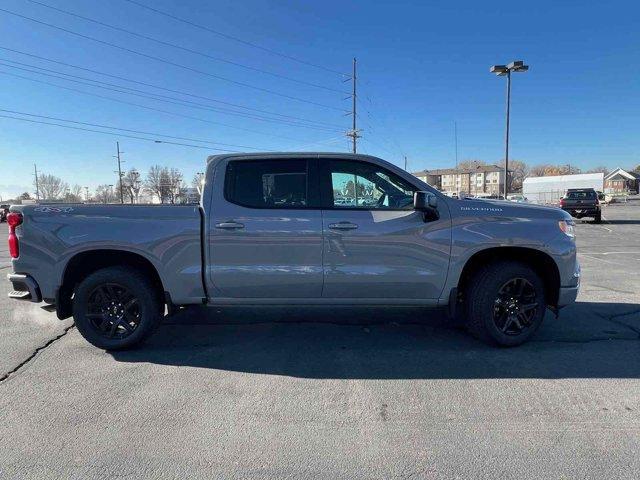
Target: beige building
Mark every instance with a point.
(479, 181)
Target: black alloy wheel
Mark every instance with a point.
(515, 307)
(113, 311)
(504, 303)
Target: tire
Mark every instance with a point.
(117, 308)
(490, 306)
(598, 217)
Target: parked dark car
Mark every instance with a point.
(4, 210)
(582, 202)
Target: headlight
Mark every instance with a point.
(566, 226)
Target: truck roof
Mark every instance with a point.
(254, 155)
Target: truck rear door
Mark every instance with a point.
(265, 229)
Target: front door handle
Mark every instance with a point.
(343, 226)
(229, 225)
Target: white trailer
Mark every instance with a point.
(549, 190)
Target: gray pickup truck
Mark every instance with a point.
(297, 229)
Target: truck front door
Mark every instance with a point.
(265, 230)
(376, 246)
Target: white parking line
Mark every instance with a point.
(615, 253)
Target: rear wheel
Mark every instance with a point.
(505, 304)
(598, 217)
(116, 308)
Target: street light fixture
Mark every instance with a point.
(501, 71)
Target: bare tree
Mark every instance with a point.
(198, 182)
(470, 164)
(538, 170)
(519, 171)
(546, 170)
(132, 184)
(599, 169)
(175, 184)
(165, 183)
(105, 194)
(25, 196)
(50, 186)
(157, 182)
(74, 194)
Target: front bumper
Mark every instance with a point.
(568, 295)
(24, 288)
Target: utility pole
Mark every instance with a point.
(35, 169)
(405, 163)
(353, 133)
(86, 194)
(119, 172)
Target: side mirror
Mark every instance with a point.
(427, 203)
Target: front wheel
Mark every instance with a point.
(116, 308)
(505, 304)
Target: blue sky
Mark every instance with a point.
(422, 66)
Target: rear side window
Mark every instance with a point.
(581, 195)
(268, 183)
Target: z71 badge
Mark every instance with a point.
(53, 209)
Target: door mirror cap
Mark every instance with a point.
(427, 203)
(424, 201)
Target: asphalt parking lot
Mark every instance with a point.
(348, 394)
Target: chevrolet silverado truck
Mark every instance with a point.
(296, 229)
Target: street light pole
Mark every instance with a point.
(501, 71)
(506, 140)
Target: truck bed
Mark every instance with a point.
(167, 236)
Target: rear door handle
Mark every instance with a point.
(343, 226)
(229, 225)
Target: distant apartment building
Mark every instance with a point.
(481, 180)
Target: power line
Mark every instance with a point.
(127, 129)
(168, 112)
(236, 39)
(159, 87)
(168, 62)
(179, 47)
(388, 130)
(113, 134)
(163, 98)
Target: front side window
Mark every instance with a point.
(367, 186)
(267, 183)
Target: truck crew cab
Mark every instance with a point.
(297, 229)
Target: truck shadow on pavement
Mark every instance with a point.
(621, 222)
(590, 340)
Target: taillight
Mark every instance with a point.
(13, 220)
(562, 202)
